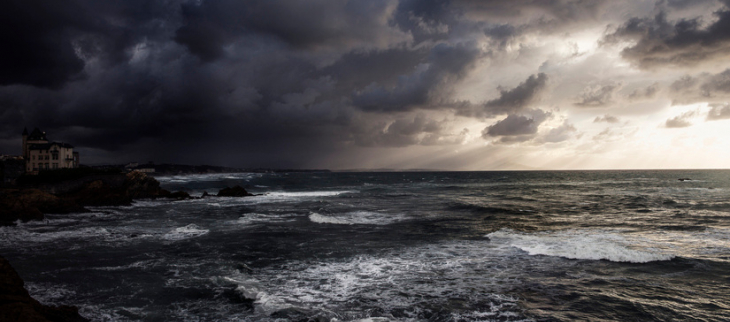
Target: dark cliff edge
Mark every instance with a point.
(35, 197)
(17, 305)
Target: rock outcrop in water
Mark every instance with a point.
(136, 185)
(236, 191)
(17, 305)
(31, 202)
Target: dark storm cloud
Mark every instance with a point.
(684, 83)
(684, 4)
(598, 95)
(561, 133)
(645, 93)
(548, 9)
(681, 120)
(41, 55)
(685, 42)
(606, 118)
(510, 100)
(431, 82)
(45, 43)
(127, 75)
(719, 112)
(705, 87)
(718, 83)
(211, 25)
(516, 99)
(516, 128)
(403, 132)
(272, 83)
(677, 122)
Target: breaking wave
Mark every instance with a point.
(355, 218)
(579, 244)
(189, 231)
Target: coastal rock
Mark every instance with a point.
(178, 195)
(136, 185)
(98, 193)
(17, 305)
(140, 185)
(31, 204)
(236, 191)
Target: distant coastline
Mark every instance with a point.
(164, 169)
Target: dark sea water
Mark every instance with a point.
(422, 246)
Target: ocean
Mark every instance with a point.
(395, 246)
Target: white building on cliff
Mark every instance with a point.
(39, 154)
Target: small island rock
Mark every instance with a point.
(179, 195)
(236, 191)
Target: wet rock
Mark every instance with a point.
(98, 193)
(205, 194)
(236, 191)
(243, 268)
(17, 305)
(31, 204)
(139, 185)
(179, 195)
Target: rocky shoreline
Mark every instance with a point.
(72, 195)
(17, 305)
(31, 202)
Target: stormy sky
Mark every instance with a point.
(370, 84)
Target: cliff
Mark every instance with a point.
(17, 305)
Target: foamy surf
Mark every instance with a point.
(354, 218)
(578, 244)
(250, 219)
(305, 194)
(189, 231)
(250, 288)
(206, 177)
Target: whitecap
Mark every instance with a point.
(579, 244)
(189, 231)
(355, 218)
(206, 177)
(300, 194)
(256, 218)
(21, 234)
(250, 288)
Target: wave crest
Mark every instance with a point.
(579, 244)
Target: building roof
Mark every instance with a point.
(47, 146)
(37, 135)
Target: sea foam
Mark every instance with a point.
(579, 244)
(354, 218)
(189, 231)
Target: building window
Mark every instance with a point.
(54, 156)
(46, 156)
(55, 165)
(33, 157)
